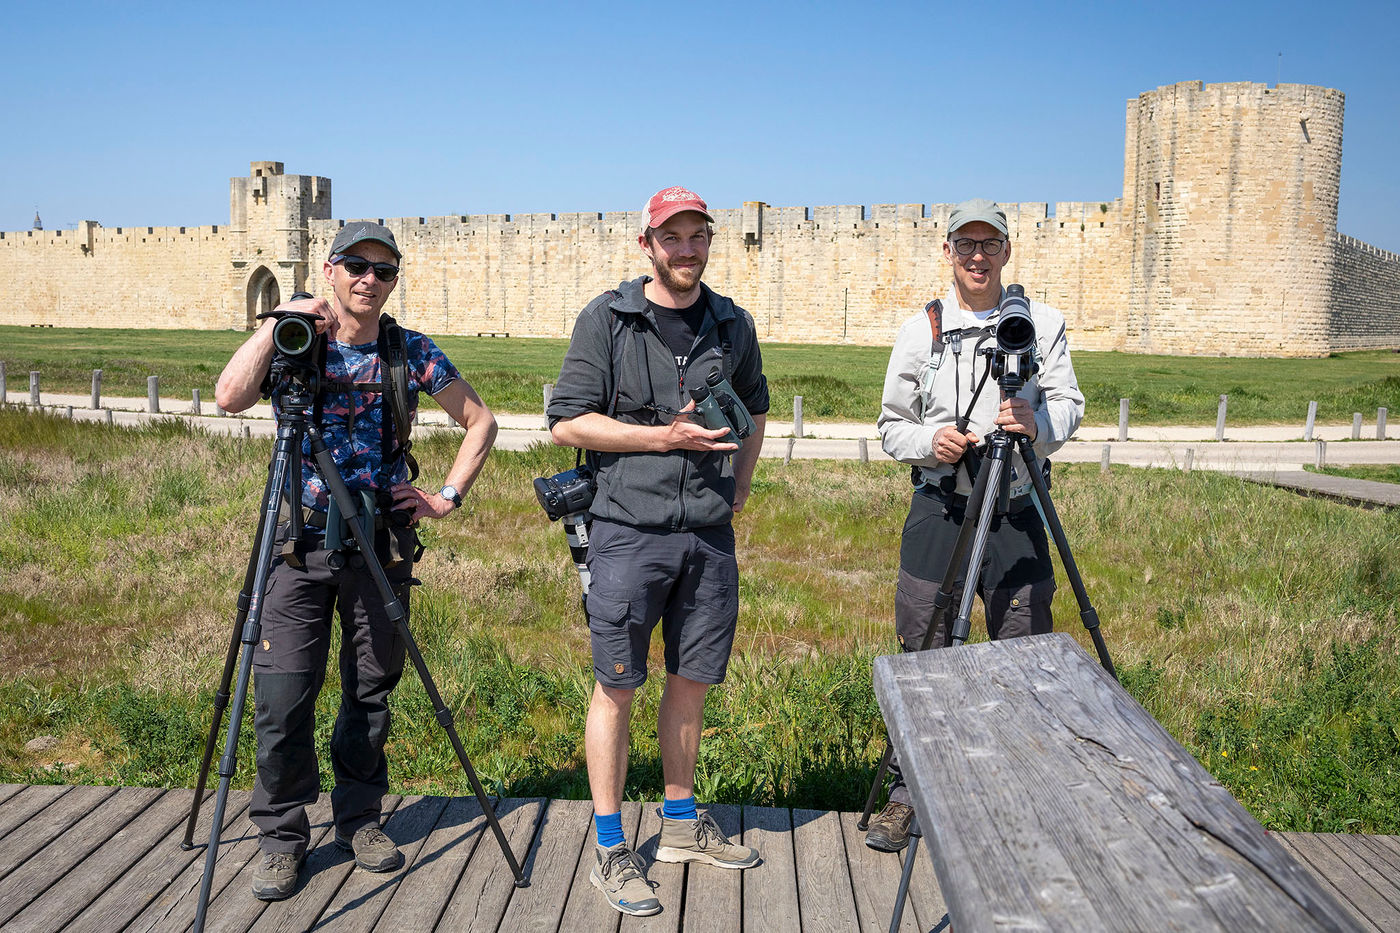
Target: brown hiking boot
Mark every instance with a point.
(701, 840)
(374, 850)
(889, 831)
(276, 876)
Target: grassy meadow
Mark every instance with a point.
(836, 383)
(1258, 626)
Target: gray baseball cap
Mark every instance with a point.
(978, 209)
(361, 230)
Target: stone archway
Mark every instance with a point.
(263, 294)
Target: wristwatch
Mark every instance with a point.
(450, 493)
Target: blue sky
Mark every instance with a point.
(137, 114)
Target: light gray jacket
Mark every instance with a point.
(928, 386)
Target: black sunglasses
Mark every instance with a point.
(383, 271)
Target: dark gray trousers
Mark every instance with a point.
(290, 665)
(1016, 584)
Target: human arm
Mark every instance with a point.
(596, 431)
(465, 407)
(240, 384)
(904, 435)
(745, 461)
(1061, 403)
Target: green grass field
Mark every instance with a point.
(1258, 626)
(836, 383)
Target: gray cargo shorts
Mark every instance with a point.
(687, 580)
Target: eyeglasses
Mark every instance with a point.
(966, 247)
(355, 266)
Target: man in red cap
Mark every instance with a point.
(662, 543)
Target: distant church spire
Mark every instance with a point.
(38, 224)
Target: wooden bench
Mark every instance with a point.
(1050, 800)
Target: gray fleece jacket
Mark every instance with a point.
(677, 489)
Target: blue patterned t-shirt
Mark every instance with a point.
(360, 457)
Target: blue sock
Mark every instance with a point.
(683, 809)
(609, 828)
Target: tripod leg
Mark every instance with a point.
(394, 610)
(1087, 613)
(941, 601)
(902, 895)
(221, 696)
(248, 636)
(995, 466)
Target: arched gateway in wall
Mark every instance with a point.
(263, 294)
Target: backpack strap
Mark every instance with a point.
(395, 393)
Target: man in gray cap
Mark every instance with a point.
(367, 395)
(933, 371)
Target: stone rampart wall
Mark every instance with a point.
(1365, 301)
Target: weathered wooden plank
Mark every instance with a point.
(56, 860)
(20, 808)
(163, 874)
(235, 909)
(358, 904)
(714, 896)
(824, 894)
(325, 870)
(1381, 873)
(1342, 873)
(770, 887)
(49, 824)
(64, 898)
(587, 908)
(875, 881)
(667, 878)
(9, 790)
(551, 866)
(423, 892)
(1051, 797)
(487, 885)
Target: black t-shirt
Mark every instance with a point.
(678, 327)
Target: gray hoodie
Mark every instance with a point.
(676, 489)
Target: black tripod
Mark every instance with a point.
(294, 381)
(990, 493)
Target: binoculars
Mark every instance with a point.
(716, 406)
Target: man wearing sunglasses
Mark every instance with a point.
(662, 542)
(932, 376)
(312, 579)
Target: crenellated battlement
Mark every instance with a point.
(1223, 239)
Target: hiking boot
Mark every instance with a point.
(617, 872)
(889, 831)
(701, 840)
(276, 877)
(374, 851)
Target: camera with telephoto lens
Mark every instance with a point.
(294, 334)
(567, 493)
(717, 406)
(1014, 360)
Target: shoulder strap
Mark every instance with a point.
(395, 393)
(934, 310)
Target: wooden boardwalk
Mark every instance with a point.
(104, 859)
(107, 859)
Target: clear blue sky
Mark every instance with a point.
(137, 114)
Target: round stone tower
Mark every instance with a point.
(1230, 202)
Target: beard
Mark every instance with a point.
(678, 280)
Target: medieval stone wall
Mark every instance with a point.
(1224, 242)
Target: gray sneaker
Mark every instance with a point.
(276, 878)
(374, 851)
(701, 840)
(617, 872)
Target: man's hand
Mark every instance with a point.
(329, 323)
(949, 444)
(684, 434)
(1016, 417)
(423, 504)
(741, 496)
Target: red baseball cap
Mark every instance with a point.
(668, 202)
